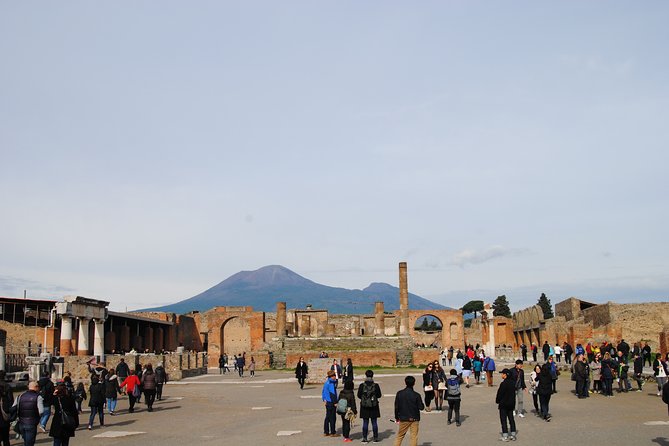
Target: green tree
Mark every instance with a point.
(545, 304)
(473, 306)
(433, 325)
(423, 325)
(501, 307)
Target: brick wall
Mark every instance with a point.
(360, 358)
(423, 356)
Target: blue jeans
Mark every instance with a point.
(111, 404)
(365, 427)
(101, 414)
(45, 416)
(29, 433)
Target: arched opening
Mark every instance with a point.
(235, 336)
(453, 331)
(428, 324)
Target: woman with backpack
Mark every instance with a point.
(348, 396)
(369, 393)
(453, 396)
(111, 391)
(148, 384)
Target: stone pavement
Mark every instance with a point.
(270, 409)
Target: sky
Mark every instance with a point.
(149, 150)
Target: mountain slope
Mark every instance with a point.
(264, 287)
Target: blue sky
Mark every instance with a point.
(150, 150)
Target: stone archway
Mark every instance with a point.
(235, 336)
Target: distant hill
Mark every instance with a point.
(264, 287)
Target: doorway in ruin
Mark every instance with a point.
(235, 336)
(453, 332)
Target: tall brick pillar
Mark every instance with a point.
(125, 338)
(148, 338)
(380, 318)
(281, 319)
(82, 344)
(65, 336)
(404, 300)
(158, 341)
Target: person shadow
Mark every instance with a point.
(662, 441)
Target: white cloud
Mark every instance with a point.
(474, 257)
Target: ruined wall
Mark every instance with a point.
(569, 308)
(360, 358)
(423, 356)
(18, 337)
(188, 334)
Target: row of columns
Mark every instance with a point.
(82, 340)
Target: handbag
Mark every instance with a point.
(136, 392)
(67, 419)
(428, 388)
(441, 386)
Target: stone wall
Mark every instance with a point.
(423, 356)
(360, 358)
(19, 335)
(347, 344)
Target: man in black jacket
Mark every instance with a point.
(506, 403)
(581, 376)
(301, 372)
(408, 405)
(518, 376)
(546, 349)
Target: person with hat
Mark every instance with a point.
(506, 403)
(330, 399)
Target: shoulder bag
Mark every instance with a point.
(68, 421)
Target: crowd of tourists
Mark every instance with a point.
(238, 362)
(33, 409)
(594, 369)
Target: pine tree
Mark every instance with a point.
(545, 304)
(424, 326)
(501, 307)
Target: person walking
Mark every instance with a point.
(453, 396)
(518, 378)
(161, 380)
(221, 364)
(252, 367)
(439, 385)
(506, 403)
(408, 405)
(46, 389)
(6, 402)
(558, 352)
(546, 350)
(429, 377)
(554, 372)
(64, 407)
(534, 352)
(638, 370)
(348, 373)
(665, 395)
(122, 371)
(489, 368)
(301, 372)
(111, 391)
(329, 395)
(523, 351)
(545, 390)
(96, 402)
(466, 369)
(80, 395)
(533, 389)
(348, 395)
(478, 366)
(369, 393)
(241, 362)
(131, 385)
(29, 407)
(661, 371)
(149, 385)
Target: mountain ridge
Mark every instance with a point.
(264, 287)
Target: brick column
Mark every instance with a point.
(82, 343)
(404, 300)
(125, 338)
(380, 326)
(148, 338)
(281, 319)
(66, 336)
(158, 341)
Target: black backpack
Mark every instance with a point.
(369, 398)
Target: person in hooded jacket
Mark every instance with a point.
(96, 401)
(506, 403)
(46, 389)
(349, 396)
(607, 372)
(161, 380)
(112, 390)
(453, 396)
(369, 393)
(63, 402)
(149, 384)
(545, 390)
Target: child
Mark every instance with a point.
(453, 396)
(80, 395)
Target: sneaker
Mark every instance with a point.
(504, 438)
(376, 440)
(512, 437)
(514, 413)
(90, 427)
(364, 441)
(427, 409)
(347, 440)
(521, 415)
(457, 423)
(448, 422)
(659, 393)
(548, 418)
(42, 428)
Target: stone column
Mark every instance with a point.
(380, 326)
(158, 339)
(281, 319)
(148, 338)
(82, 343)
(404, 300)
(66, 335)
(99, 339)
(490, 347)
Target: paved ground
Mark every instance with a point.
(216, 410)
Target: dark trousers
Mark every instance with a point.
(639, 381)
(365, 427)
(4, 435)
(149, 397)
(544, 401)
(159, 391)
(454, 405)
(554, 384)
(567, 358)
(608, 386)
(345, 426)
(581, 389)
(534, 356)
(597, 385)
(99, 410)
(477, 376)
(525, 356)
(64, 441)
(535, 401)
(429, 396)
(131, 402)
(330, 419)
(240, 369)
(301, 381)
(505, 415)
(29, 433)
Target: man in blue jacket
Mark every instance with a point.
(330, 399)
(489, 367)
